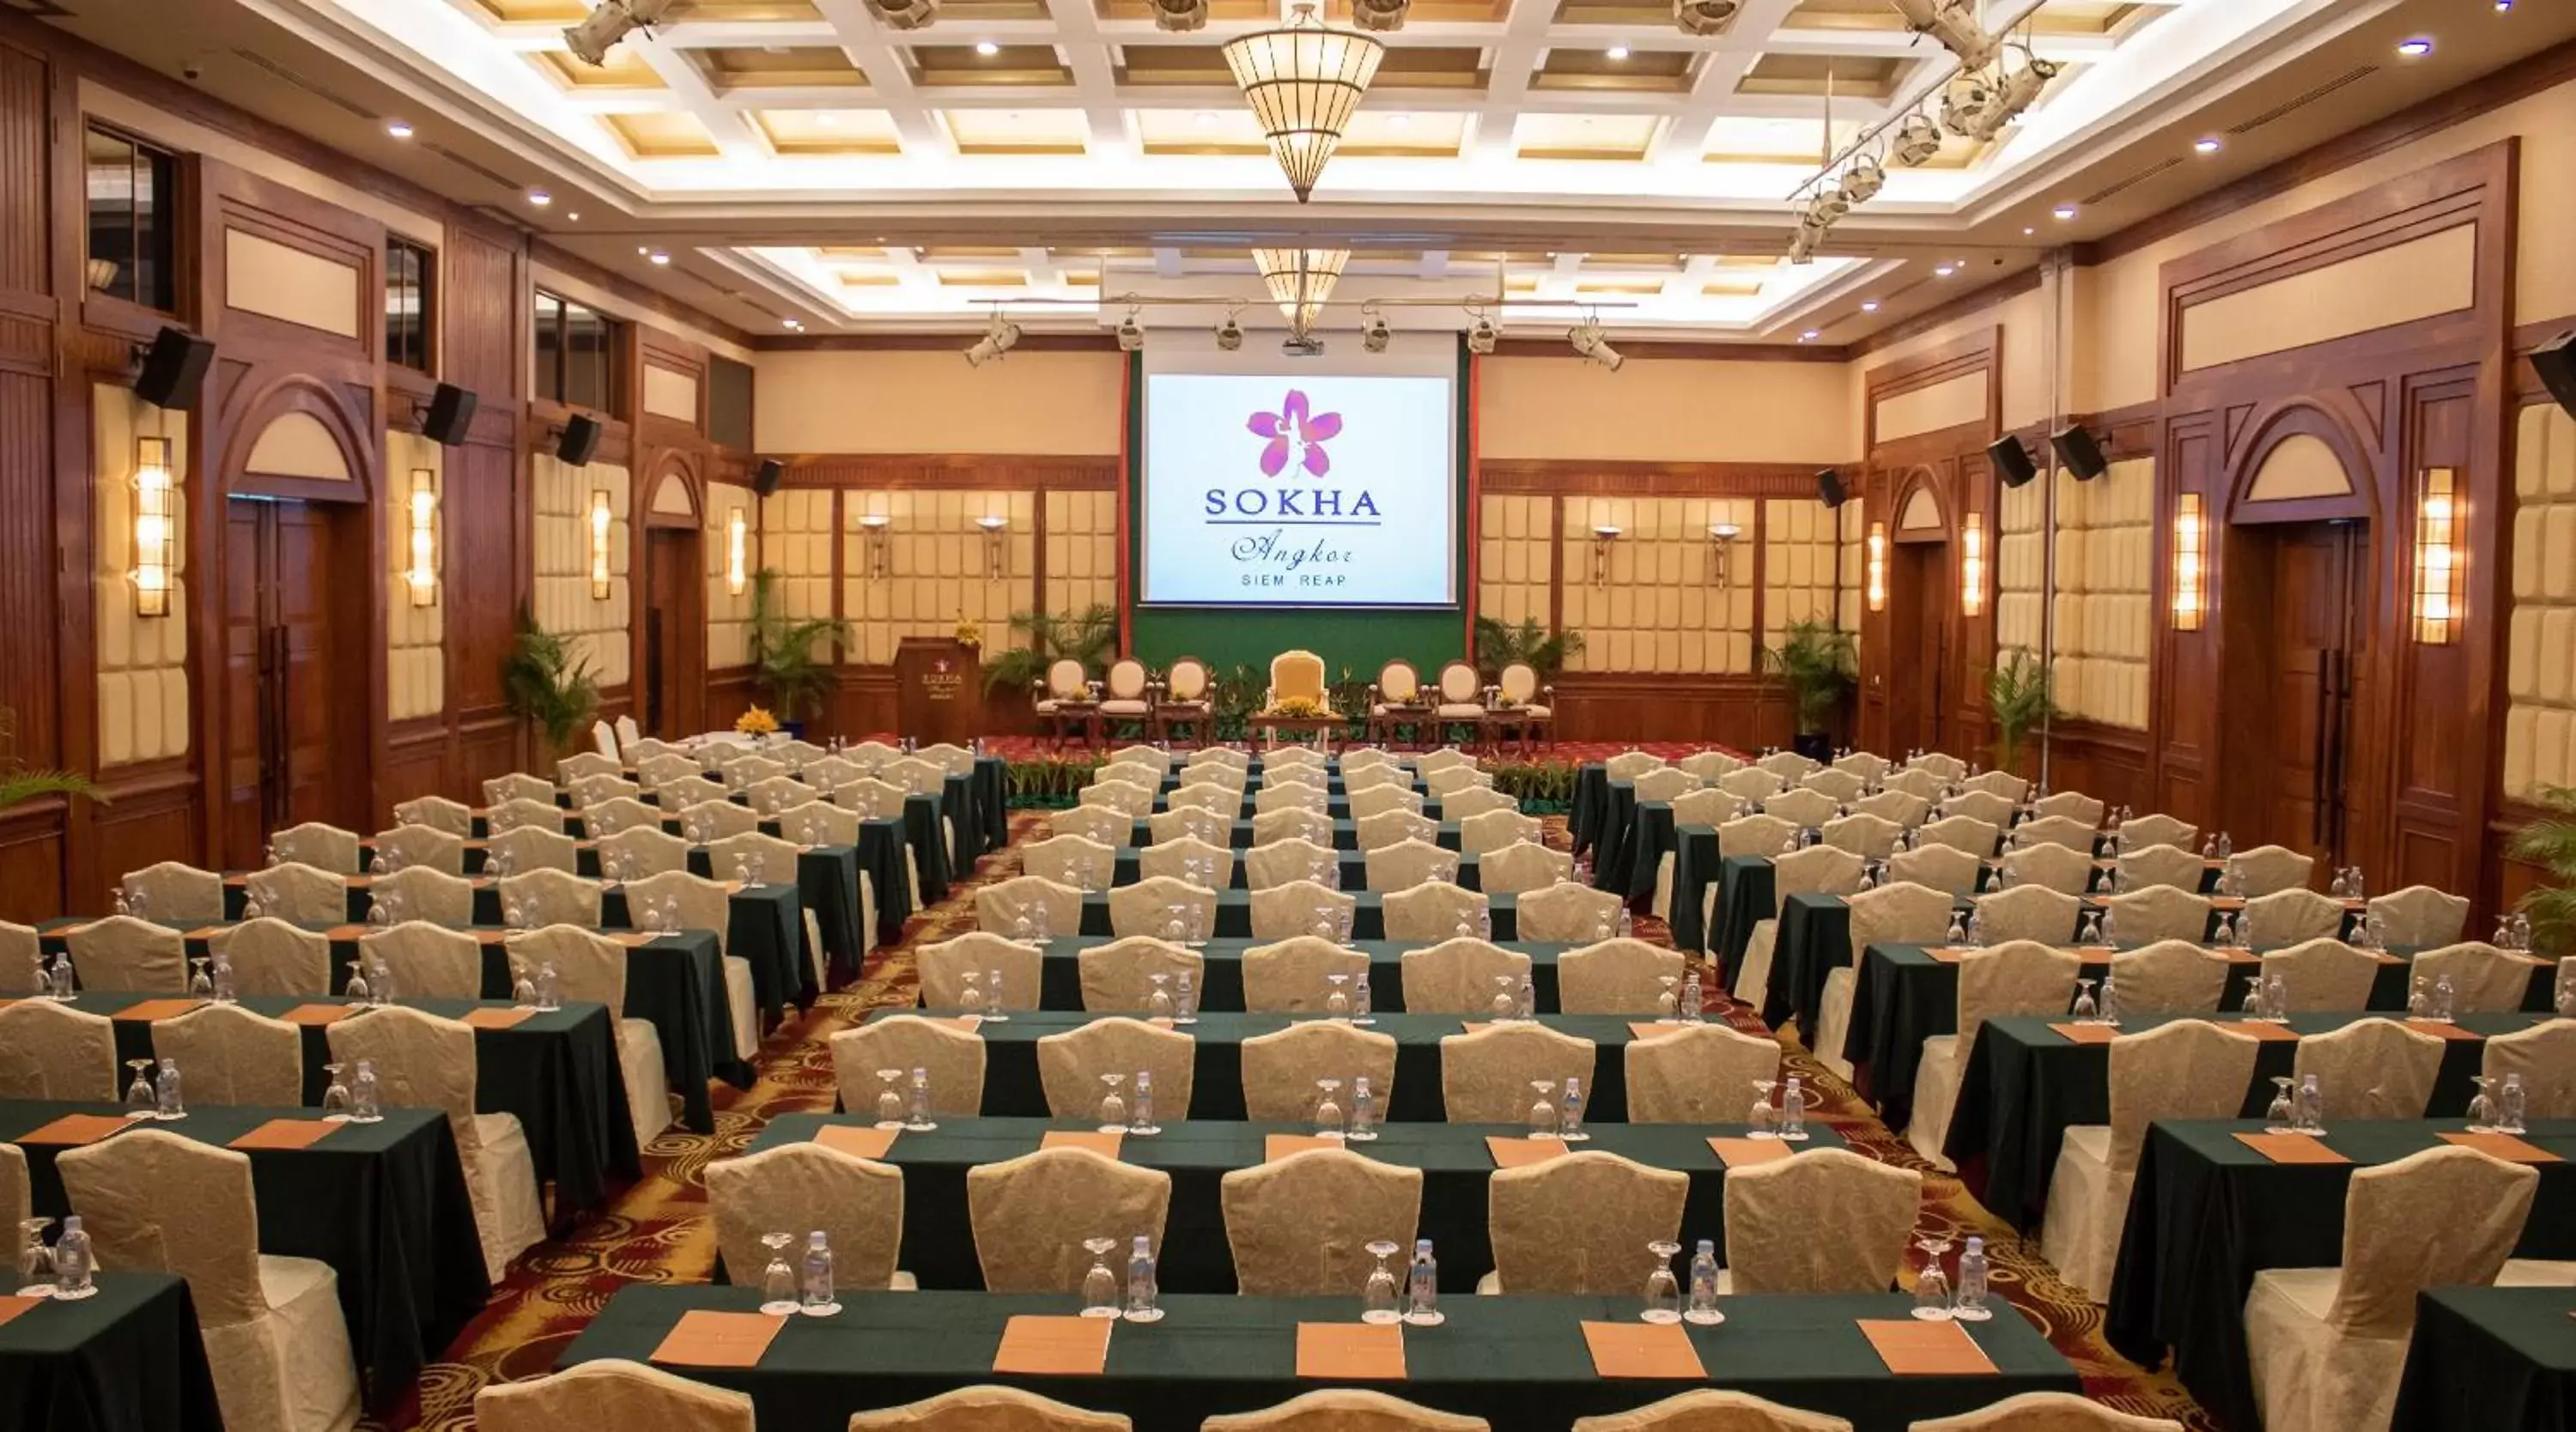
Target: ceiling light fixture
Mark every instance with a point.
(661, 259)
(1918, 139)
(1131, 334)
(1869, 305)
(2206, 146)
(997, 340)
(1300, 280)
(1945, 270)
(1180, 17)
(1811, 335)
(540, 198)
(1954, 24)
(2063, 212)
(1704, 17)
(987, 48)
(598, 33)
(2415, 49)
(1862, 181)
(1617, 52)
(1592, 343)
(398, 128)
(1382, 16)
(904, 14)
(1303, 79)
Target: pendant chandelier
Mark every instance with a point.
(1300, 280)
(1303, 79)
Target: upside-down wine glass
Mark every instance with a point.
(1542, 1115)
(1328, 1111)
(138, 1095)
(1113, 1109)
(1379, 1299)
(1762, 1117)
(1099, 1286)
(2277, 1117)
(1663, 1290)
(890, 1099)
(779, 1295)
(1931, 1286)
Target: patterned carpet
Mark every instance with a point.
(658, 1231)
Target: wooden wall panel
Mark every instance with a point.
(24, 252)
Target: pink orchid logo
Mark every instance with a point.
(1292, 429)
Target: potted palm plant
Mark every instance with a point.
(1819, 665)
(19, 785)
(2550, 843)
(2018, 692)
(782, 652)
(1087, 636)
(1499, 644)
(549, 686)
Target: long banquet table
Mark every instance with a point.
(126, 1359)
(1060, 971)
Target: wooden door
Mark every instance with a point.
(1918, 655)
(293, 708)
(671, 578)
(2315, 620)
(245, 691)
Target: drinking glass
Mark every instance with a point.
(201, 985)
(1507, 1001)
(2277, 1117)
(890, 1099)
(1663, 1290)
(1668, 1003)
(523, 990)
(779, 1295)
(335, 1096)
(1542, 1114)
(1762, 1117)
(1328, 1111)
(1158, 1005)
(1176, 927)
(1337, 1000)
(2085, 1010)
(357, 991)
(138, 1095)
(1379, 1300)
(1931, 1286)
(2482, 1106)
(993, 1011)
(36, 1261)
(1099, 1286)
(972, 996)
(1113, 1109)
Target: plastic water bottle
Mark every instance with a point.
(363, 1108)
(1140, 1118)
(75, 1265)
(65, 985)
(1360, 1002)
(2110, 1003)
(1570, 1121)
(2445, 998)
(1793, 1110)
(1693, 1001)
(1142, 1290)
(1185, 1001)
(1702, 1308)
(225, 991)
(166, 1104)
(917, 1108)
(1627, 923)
(1526, 1006)
(549, 986)
(816, 1298)
(1363, 1125)
(1422, 1288)
(2509, 1106)
(993, 1011)
(1970, 1305)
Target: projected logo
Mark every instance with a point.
(1293, 431)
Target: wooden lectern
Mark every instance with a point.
(939, 690)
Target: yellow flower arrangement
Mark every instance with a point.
(756, 722)
(970, 632)
(1300, 706)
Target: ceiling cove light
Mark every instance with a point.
(540, 198)
(2416, 48)
(987, 48)
(2211, 145)
(398, 128)
(1303, 79)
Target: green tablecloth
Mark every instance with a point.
(1334, 785)
(1650, 839)
(128, 1359)
(1346, 834)
(881, 850)
(1011, 1087)
(929, 849)
(1351, 868)
(1060, 977)
(1746, 894)
(939, 1240)
(1368, 915)
(555, 1071)
(384, 1204)
(1519, 1361)
(992, 787)
(1905, 996)
(2025, 1085)
(1336, 805)
(1695, 868)
(673, 982)
(2209, 1213)
(1591, 805)
(2502, 1358)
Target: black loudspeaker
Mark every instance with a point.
(580, 439)
(174, 368)
(1829, 488)
(2556, 361)
(765, 480)
(2082, 454)
(2012, 461)
(451, 412)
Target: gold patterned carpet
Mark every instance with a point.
(658, 1231)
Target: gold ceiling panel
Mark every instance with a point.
(961, 65)
(534, 12)
(1584, 136)
(1626, 14)
(1405, 134)
(1432, 67)
(1865, 76)
(625, 70)
(1441, 12)
(829, 131)
(734, 67)
(1221, 11)
(1171, 65)
(2057, 17)
(1017, 131)
(661, 134)
(1642, 72)
(983, 278)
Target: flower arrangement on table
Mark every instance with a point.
(756, 722)
(970, 632)
(1298, 708)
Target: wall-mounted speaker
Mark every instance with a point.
(2556, 360)
(765, 479)
(174, 368)
(451, 412)
(1829, 488)
(2080, 452)
(2011, 461)
(579, 440)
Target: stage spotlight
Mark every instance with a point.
(1802, 245)
(1589, 341)
(2020, 90)
(1229, 334)
(1863, 180)
(1482, 335)
(1131, 335)
(1917, 140)
(1968, 106)
(1704, 17)
(1180, 16)
(592, 39)
(997, 340)
(904, 14)
(1374, 334)
(1379, 15)
(1954, 24)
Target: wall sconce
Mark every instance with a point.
(997, 550)
(737, 553)
(1876, 585)
(156, 529)
(422, 573)
(2437, 559)
(599, 520)
(2191, 567)
(1721, 551)
(874, 544)
(1603, 534)
(1972, 564)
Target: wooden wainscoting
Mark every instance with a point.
(2109, 763)
(1745, 712)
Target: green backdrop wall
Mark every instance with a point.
(1361, 641)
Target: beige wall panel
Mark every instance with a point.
(2427, 276)
(264, 276)
(1664, 409)
(669, 393)
(729, 611)
(1658, 607)
(2300, 466)
(2104, 617)
(142, 661)
(296, 444)
(2022, 368)
(1945, 404)
(415, 636)
(2540, 663)
(562, 592)
(1066, 404)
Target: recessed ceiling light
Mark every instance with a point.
(793, 323)
(2504, 7)
(2207, 146)
(642, 249)
(2027, 232)
(574, 216)
(1945, 270)
(2415, 48)
(1617, 52)
(1869, 305)
(660, 258)
(1206, 119)
(987, 48)
(540, 198)
(2064, 211)
(398, 128)
(1811, 335)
